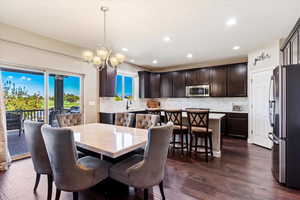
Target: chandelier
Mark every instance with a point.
(103, 56)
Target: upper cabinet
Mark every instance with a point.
(149, 84)
(107, 82)
(179, 83)
(197, 77)
(237, 80)
(166, 84)
(144, 84)
(218, 81)
(154, 85)
(225, 81)
(290, 50)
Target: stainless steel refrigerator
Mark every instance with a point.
(284, 105)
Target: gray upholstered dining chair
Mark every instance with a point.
(148, 170)
(70, 174)
(37, 149)
(69, 119)
(146, 121)
(124, 119)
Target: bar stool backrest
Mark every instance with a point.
(174, 116)
(198, 118)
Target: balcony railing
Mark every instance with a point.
(15, 118)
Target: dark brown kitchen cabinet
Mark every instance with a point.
(237, 124)
(155, 85)
(144, 84)
(290, 49)
(107, 82)
(218, 81)
(179, 83)
(237, 80)
(197, 77)
(149, 84)
(166, 84)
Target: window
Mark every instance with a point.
(124, 87)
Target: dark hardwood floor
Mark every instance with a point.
(243, 173)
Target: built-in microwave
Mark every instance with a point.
(197, 91)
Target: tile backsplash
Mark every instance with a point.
(217, 104)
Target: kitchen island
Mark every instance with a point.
(214, 123)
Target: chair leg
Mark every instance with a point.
(211, 146)
(37, 181)
(206, 148)
(161, 188)
(75, 195)
(181, 138)
(146, 194)
(187, 142)
(57, 196)
(191, 144)
(174, 140)
(196, 143)
(50, 183)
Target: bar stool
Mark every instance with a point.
(175, 116)
(155, 112)
(198, 128)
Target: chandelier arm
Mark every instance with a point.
(107, 58)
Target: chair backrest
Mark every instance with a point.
(62, 154)
(174, 116)
(70, 119)
(124, 119)
(36, 147)
(198, 118)
(146, 121)
(151, 170)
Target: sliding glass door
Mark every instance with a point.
(64, 95)
(24, 100)
(38, 96)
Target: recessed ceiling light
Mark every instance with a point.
(231, 22)
(124, 49)
(189, 55)
(236, 47)
(131, 60)
(154, 61)
(167, 39)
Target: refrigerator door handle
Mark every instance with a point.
(270, 136)
(271, 102)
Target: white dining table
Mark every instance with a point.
(109, 140)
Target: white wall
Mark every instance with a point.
(273, 50)
(14, 50)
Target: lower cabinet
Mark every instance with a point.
(109, 118)
(237, 125)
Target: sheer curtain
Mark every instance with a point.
(4, 154)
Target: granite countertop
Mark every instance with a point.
(216, 111)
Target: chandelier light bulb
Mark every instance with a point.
(120, 57)
(114, 61)
(88, 56)
(97, 60)
(102, 53)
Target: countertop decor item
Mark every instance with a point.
(103, 55)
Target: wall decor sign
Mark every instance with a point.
(261, 57)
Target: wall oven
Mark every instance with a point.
(197, 91)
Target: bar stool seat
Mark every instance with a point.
(200, 130)
(177, 127)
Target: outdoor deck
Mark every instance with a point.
(16, 144)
